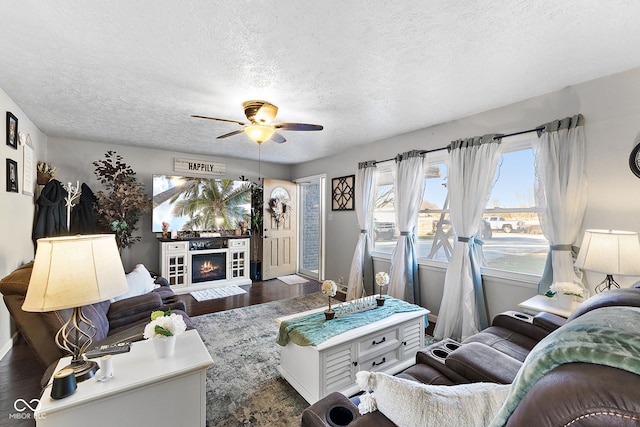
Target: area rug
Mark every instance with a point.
(243, 385)
(215, 293)
(292, 279)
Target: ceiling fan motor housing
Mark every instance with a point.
(260, 112)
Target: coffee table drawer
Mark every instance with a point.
(380, 341)
(380, 362)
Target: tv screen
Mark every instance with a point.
(199, 204)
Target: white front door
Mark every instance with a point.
(279, 252)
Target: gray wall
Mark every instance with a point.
(611, 107)
(16, 209)
(75, 160)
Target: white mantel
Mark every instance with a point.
(176, 261)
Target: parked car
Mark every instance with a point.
(384, 230)
(501, 224)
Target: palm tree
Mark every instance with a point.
(212, 200)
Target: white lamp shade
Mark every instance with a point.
(610, 252)
(74, 271)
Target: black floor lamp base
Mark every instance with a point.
(607, 284)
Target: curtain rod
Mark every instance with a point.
(537, 129)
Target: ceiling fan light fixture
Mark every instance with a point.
(266, 113)
(259, 133)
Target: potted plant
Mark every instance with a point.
(565, 293)
(120, 207)
(45, 172)
(329, 289)
(163, 329)
(382, 280)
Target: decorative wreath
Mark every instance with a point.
(279, 208)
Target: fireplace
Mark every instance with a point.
(207, 266)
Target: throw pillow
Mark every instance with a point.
(140, 282)
(410, 403)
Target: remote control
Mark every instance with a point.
(106, 349)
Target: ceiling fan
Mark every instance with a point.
(260, 115)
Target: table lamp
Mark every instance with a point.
(71, 272)
(610, 252)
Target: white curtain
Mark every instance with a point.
(472, 165)
(361, 273)
(409, 186)
(561, 194)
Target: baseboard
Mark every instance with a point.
(432, 318)
(7, 346)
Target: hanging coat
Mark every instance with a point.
(51, 219)
(83, 215)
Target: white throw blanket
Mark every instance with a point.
(409, 403)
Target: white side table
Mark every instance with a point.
(145, 390)
(539, 303)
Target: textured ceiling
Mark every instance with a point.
(132, 72)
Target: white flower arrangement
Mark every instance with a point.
(329, 288)
(567, 288)
(164, 324)
(382, 280)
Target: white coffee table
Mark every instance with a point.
(388, 345)
(145, 390)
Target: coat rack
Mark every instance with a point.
(72, 194)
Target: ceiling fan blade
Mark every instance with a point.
(226, 135)
(297, 126)
(276, 137)
(220, 120)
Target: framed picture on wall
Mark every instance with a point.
(12, 176)
(342, 192)
(12, 130)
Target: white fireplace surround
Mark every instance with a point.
(176, 262)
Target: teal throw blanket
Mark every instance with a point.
(313, 329)
(607, 336)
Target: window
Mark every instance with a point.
(510, 230)
(385, 232)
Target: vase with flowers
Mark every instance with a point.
(382, 280)
(565, 293)
(45, 172)
(329, 289)
(165, 229)
(163, 329)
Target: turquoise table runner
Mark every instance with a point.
(313, 329)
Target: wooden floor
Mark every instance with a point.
(20, 371)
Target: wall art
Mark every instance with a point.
(12, 176)
(342, 190)
(12, 130)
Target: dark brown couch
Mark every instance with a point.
(582, 394)
(116, 322)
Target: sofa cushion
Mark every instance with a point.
(140, 282)
(504, 340)
(478, 362)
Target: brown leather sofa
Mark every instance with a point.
(579, 394)
(116, 322)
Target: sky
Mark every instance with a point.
(512, 188)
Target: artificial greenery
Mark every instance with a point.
(123, 203)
